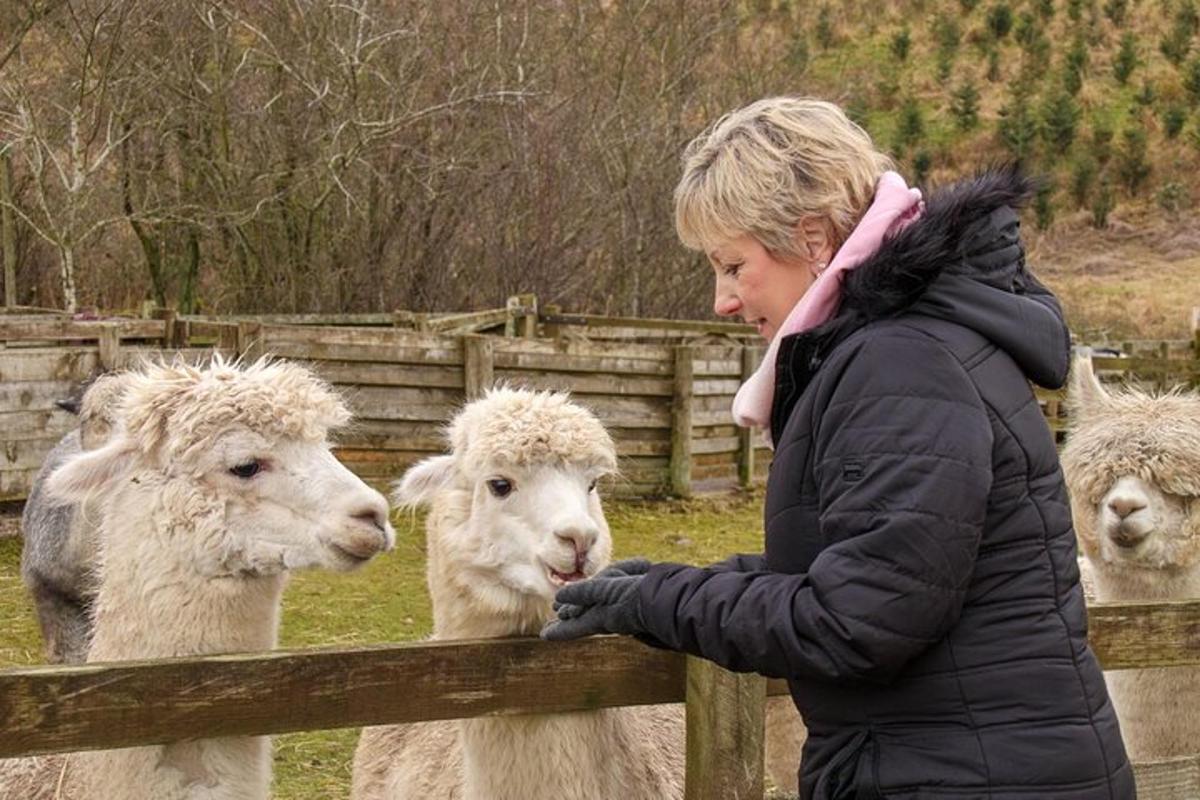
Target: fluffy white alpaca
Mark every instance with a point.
(513, 516)
(58, 555)
(1132, 464)
(218, 482)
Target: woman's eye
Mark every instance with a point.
(500, 487)
(247, 470)
(732, 270)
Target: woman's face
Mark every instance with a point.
(754, 285)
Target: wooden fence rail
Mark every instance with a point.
(99, 706)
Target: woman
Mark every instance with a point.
(919, 589)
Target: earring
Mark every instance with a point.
(821, 267)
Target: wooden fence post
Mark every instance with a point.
(1195, 376)
(522, 316)
(681, 422)
(478, 373)
(110, 347)
(227, 340)
(747, 437)
(249, 341)
(725, 732)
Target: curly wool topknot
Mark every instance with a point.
(519, 427)
(177, 408)
(1156, 438)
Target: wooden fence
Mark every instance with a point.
(662, 387)
(100, 706)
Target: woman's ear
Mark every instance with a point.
(814, 237)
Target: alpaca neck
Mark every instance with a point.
(575, 751)
(153, 603)
(1115, 583)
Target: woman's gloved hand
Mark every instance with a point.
(606, 603)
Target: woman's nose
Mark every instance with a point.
(726, 303)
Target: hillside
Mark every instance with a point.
(383, 154)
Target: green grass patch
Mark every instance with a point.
(388, 602)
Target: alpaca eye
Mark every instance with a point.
(500, 487)
(247, 470)
(592, 486)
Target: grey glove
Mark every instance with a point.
(597, 605)
(628, 566)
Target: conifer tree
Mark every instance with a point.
(964, 105)
(1060, 115)
(922, 163)
(1115, 10)
(1102, 204)
(911, 125)
(1133, 166)
(993, 64)
(1016, 126)
(999, 20)
(1083, 174)
(1126, 59)
(1191, 80)
(1173, 118)
(901, 42)
(1043, 205)
(824, 29)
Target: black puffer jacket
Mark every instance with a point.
(920, 590)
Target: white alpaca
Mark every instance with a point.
(218, 482)
(1132, 464)
(513, 516)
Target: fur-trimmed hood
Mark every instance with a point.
(963, 261)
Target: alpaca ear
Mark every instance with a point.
(91, 471)
(423, 480)
(1086, 393)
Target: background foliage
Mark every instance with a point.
(363, 155)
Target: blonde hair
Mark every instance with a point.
(761, 169)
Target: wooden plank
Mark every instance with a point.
(628, 412)
(591, 382)
(681, 423)
(25, 454)
(429, 404)
(725, 387)
(566, 362)
(60, 329)
(367, 337)
(1145, 634)
(33, 395)
(1168, 779)
(395, 353)
(478, 367)
(59, 709)
(727, 446)
(48, 364)
(366, 373)
(384, 318)
(725, 733)
(587, 347)
(469, 322)
(16, 426)
(14, 485)
(696, 327)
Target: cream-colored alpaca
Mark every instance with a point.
(513, 516)
(217, 482)
(1132, 464)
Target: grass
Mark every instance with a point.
(387, 602)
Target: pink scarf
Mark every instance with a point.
(894, 207)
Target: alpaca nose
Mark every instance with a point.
(373, 517)
(579, 539)
(1124, 506)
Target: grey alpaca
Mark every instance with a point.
(59, 551)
